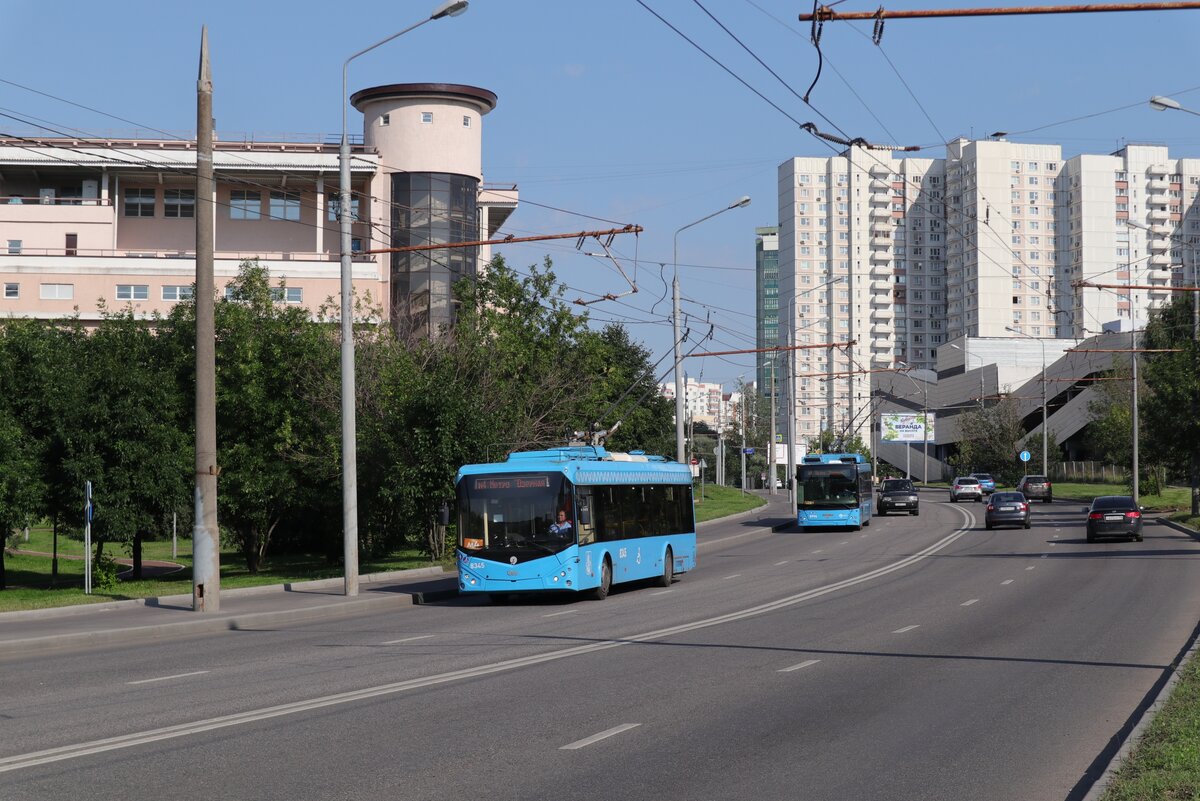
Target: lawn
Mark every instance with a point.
(1171, 499)
(1165, 764)
(721, 501)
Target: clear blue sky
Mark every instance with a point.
(605, 112)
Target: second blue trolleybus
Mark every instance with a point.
(576, 518)
(834, 489)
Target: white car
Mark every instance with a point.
(966, 487)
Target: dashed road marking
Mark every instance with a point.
(1030, 567)
(906, 628)
(784, 562)
(968, 603)
(595, 738)
(1006, 581)
(804, 664)
(660, 592)
(407, 639)
(735, 575)
(168, 678)
(564, 612)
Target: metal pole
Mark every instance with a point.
(206, 557)
(679, 452)
(774, 473)
(451, 8)
(87, 540)
(1134, 362)
(742, 404)
(1045, 428)
(925, 468)
(791, 420)
(1195, 477)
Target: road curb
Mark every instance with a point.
(1162, 521)
(241, 592)
(1100, 786)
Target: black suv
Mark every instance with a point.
(1034, 487)
(897, 495)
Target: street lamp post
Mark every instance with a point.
(675, 314)
(1045, 429)
(925, 426)
(451, 8)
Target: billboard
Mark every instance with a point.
(907, 427)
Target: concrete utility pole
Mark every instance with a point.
(773, 475)
(206, 568)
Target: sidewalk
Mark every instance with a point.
(45, 631)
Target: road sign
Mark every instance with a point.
(748, 451)
(695, 460)
(1024, 456)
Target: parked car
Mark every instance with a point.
(986, 481)
(1007, 509)
(965, 487)
(897, 495)
(1036, 487)
(1114, 516)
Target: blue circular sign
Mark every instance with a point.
(1024, 456)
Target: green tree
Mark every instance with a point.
(21, 484)
(989, 442)
(277, 414)
(1170, 412)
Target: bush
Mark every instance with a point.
(104, 573)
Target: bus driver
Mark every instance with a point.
(562, 528)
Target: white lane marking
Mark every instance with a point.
(1006, 581)
(77, 750)
(1030, 567)
(1043, 556)
(1053, 544)
(567, 612)
(968, 603)
(407, 639)
(735, 575)
(595, 738)
(804, 664)
(784, 562)
(661, 592)
(818, 550)
(168, 678)
(906, 628)
(1055, 536)
(844, 542)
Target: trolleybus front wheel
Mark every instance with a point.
(601, 592)
(668, 569)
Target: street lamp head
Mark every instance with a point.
(1160, 103)
(744, 200)
(451, 8)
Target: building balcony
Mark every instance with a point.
(878, 170)
(881, 241)
(880, 185)
(1162, 230)
(881, 199)
(1159, 214)
(880, 256)
(883, 347)
(883, 330)
(75, 211)
(1159, 261)
(881, 314)
(1158, 245)
(1157, 169)
(1157, 185)
(880, 213)
(881, 285)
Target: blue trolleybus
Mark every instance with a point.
(577, 518)
(834, 489)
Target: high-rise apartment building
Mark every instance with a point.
(766, 301)
(887, 259)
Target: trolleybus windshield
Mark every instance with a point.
(827, 487)
(506, 515)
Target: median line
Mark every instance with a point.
(168, 678)
(407, 639)
(804, 664)
(907, 628)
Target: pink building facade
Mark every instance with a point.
(86, 223)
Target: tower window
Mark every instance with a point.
(426, 116)
(385, 119)
(466, 121)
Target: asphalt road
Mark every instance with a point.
(921, 658)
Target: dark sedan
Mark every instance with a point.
(1114, 516)
(897, 495)
(1007, 509)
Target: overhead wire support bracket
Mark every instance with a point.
(826, 13)
(857, 141)
(628, 229)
